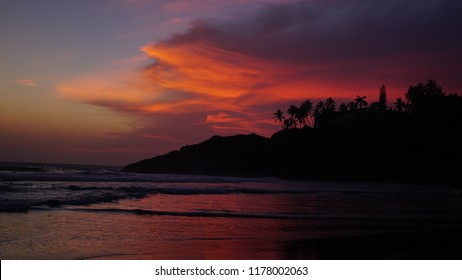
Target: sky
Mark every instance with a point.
(116, 81)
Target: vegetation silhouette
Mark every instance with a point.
(400, 105)
(415, 139)
(382, 98)
(360, 101)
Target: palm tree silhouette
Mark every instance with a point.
(329, 105)
(351, 105)
(279, 117)
(399, 104)
(289, 123)
(293, 112)
(407, 107)
(343, 107)
(360, 101)
(306, 109)
(319, 109)
(383, 98)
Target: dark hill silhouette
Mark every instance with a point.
(422, 143)
(411, 150)
(240, 155)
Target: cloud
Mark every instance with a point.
(217, 5)
(299, 46)
(26, 82)
(231, 123)
(206, 70)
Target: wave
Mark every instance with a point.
(21, 197)
(13, 168)
(193, 190)
(206, 214)
(24, 196)
(113, 176)
(246, 215)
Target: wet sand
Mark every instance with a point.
(75, 235)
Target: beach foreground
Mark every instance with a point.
(69, 235)
(89, 213)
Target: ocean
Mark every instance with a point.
(54, 211)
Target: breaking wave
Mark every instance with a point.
(23, 197)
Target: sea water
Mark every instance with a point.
(51, 211)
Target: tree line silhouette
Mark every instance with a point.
(417, 137)
(419, 98)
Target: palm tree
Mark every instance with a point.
(343, 107)
(279, 117)
(293, 112)
(307, 105)
(360, 101)
(383, 98)
(301, 115)
(329, 105)
(399, 104)
(319, 109)
(407, 107)
(351, 105)
(289, 123)
(306, 109)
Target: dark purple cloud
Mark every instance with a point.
(315, 30)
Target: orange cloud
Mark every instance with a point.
(237, 92)
(205, 70)
(118, 87)
(220, 118)
(216, 79)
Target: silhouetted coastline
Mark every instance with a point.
(417, 141)
(240, 155)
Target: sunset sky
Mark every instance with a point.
(117, 81)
